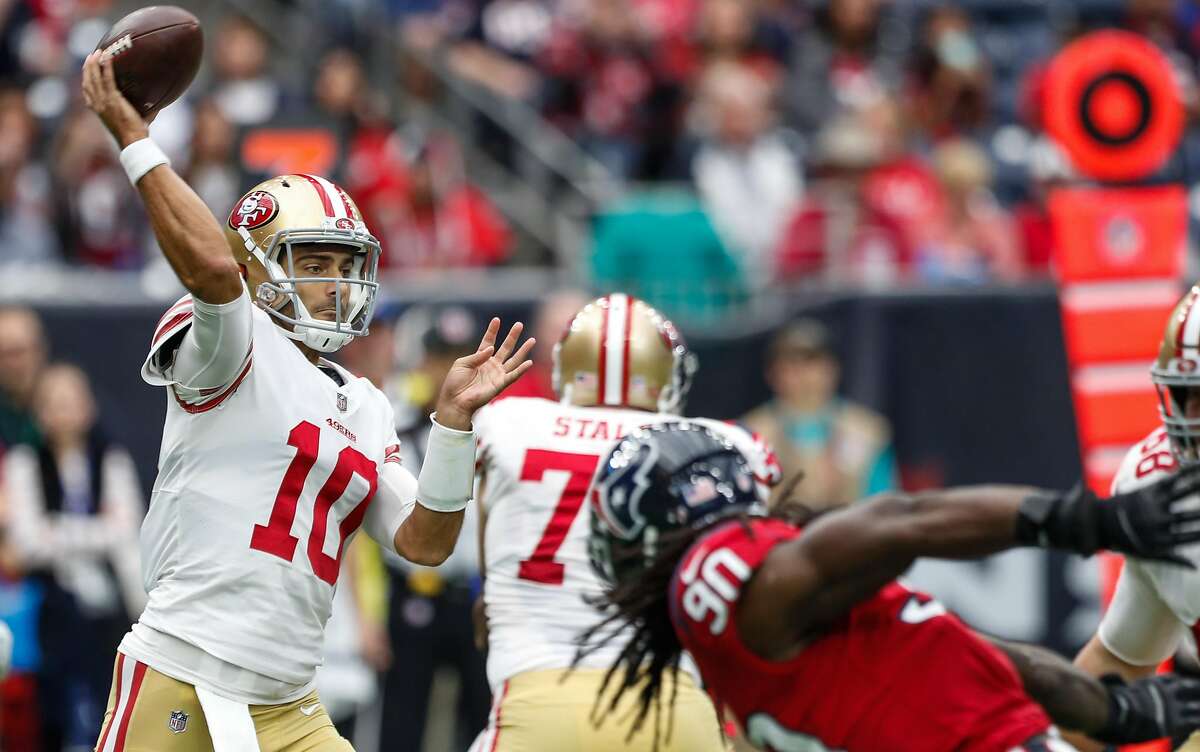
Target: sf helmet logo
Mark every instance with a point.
(255, 210)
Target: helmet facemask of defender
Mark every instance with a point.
(620, 352)
(264, 230)
(1176, 376)
(659, 480)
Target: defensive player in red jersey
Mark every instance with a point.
(801, 629)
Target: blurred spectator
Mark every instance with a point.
(342, 96)
(841, 65)
(902, 186)
(212, 168)
(496, 42)
(600, 84)
(951, 90)
(1175, 28)
(976, 240)
(843, 449)
(22, 357)
(747, 175)
(418, 202)
(734, 31)
(20, 604)
(26, 226)
(75, 508)
(837, 235)
(430, 613)
(100, 220)
(554, 315)
(1049, 168)
(1169, 24)
(244, 88)
(17, 21)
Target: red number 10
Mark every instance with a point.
(541, 566)
(276, 536)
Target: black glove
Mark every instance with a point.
(1148, 709)
(1142, 522)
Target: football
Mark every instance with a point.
(156, 52)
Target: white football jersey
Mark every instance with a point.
(261, 486)
(1155, 601)
(537, 461)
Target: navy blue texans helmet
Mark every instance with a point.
(660, 479)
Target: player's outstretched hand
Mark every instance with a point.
(1157, 707)
(102, 96)
(1149, 523)
(478, 378)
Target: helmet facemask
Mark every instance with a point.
(1183, 431)
(354, 308)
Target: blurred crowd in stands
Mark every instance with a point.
(65, 199)
(860, 142)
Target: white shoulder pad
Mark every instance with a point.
(175, 321)
(1145, 462)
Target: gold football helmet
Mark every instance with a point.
(290, 209)
(620, 352)
(1176, 376)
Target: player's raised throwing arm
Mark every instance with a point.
(848, 555)
(188, 233)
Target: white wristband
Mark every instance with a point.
(141, 157)
(448, 471)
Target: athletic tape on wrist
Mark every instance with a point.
(448, 472)
(141, 157)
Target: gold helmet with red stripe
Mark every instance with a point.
(290, 209)
(1176, 376)
(620, 352)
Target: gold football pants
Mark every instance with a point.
(151, 712)
(552, 711)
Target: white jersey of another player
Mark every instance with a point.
(1155, 603)
(261, 486)
(537, 461)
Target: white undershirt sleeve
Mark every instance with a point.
(1139, 628)
(393, 503)
(214, 349)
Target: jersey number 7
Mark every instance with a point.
(276, 536)
(541, 566)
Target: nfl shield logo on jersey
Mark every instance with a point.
(341, 400)
(178, 721)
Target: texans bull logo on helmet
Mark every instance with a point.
(254, 210)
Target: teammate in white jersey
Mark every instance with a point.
(1156, 605)
(620, 365)
(272, 457)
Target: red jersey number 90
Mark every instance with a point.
(711, 585)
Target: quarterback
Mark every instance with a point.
(272, 457)
(1156, 606)
(619, 365)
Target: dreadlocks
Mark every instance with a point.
(641, 606)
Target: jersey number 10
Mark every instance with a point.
(276, 536)
(541, 566)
